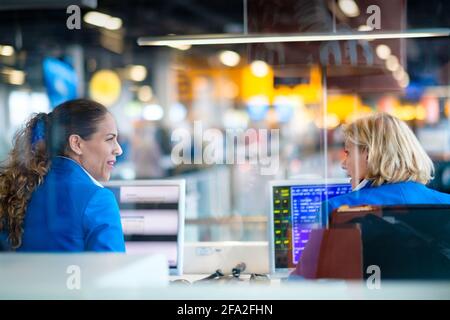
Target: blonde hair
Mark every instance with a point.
(394, 153)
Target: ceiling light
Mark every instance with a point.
(399, 74)
(291, 37)
(137, 73)
(102, 20)
(16, 77)
(6, 51)
(383, 51)
(182, 47)
(349, 8)
(392, 63)
(364, 28)
(153, 112)
(259, 68)
(405, 81)
(113, 23)
(96, 18)
(229, 58)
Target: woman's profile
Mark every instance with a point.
(50, 195)
(387, 165)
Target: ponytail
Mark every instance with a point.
(44, 137)
(23, 172)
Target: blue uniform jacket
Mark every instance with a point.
(388, 194)
(71, 212)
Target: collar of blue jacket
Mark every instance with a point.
(58, 161)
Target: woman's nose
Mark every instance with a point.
(118, 149)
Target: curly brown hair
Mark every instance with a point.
(43, 137)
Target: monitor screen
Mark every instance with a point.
(152, 215)
(295, 211)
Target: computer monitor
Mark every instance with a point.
(152, 215)
(295, 209)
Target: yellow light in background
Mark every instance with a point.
(16, 77)
(421, 112)
(145, 93)
(332, 121)
(383, 51)
(257, 86)
(343, 105)
(105, 87)
(312, 92)
(349, 8)
(229, 58)
(361, 112)
(259, 68)
(137, 73)
(405, 112)
(6, 51)
(447, 108)
(229, 89)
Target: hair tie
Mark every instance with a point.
(38, 132)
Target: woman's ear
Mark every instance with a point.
(366, 154)
(75, 144)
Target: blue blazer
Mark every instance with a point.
(70, 211)
(388, 194)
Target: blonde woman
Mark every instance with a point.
(387, 165)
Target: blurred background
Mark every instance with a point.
(307, 90)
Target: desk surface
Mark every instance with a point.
(244, 291)
(111, 276)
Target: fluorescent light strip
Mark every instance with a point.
(293, 37)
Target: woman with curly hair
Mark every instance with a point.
(50, 195)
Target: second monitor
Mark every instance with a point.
(152, 216)
(295, 211)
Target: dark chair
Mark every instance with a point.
(406, 242)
